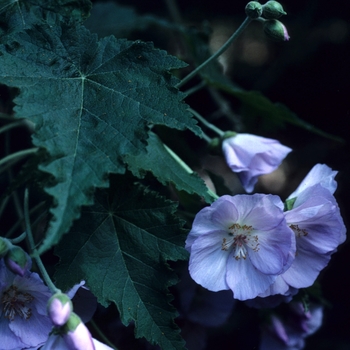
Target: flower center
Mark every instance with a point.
(240, 237)
(299, 232)
(14, 302)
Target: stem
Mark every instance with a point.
(101, 334)
(206, 123)
(196, 88)
(18, 239)
(222, 49)
(18, 155)
(187, 169)
(31, 242)
(11, 125)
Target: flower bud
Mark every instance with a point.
(59, 308)
(273, 10)
(4, 246)
(276, 30)
(17, 260)
(253, 9)
(76, 335)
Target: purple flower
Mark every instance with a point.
(23, 319)
(240, 243)
(251, 156)
(289, 332)
(318, 226)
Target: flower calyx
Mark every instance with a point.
(17, 260)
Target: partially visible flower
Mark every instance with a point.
(59, 308)
(289, 332)
(315, 218)
(74, 335)
(251, 156)
(240, 243)
(18, 261)
(23, 319)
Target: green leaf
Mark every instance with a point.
(120, 247)
(167, 169)
(92, 103)
(16, 15)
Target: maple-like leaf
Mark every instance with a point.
(92, 102)
(120, 246)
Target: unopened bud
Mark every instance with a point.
(253, 9)
(4, 246)
(273, 10)
(59, 308)
(17, 260)
(76, 335)
(276, 30)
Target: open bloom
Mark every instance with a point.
(251, 156)
(240, 243)
(23, 319)
(315, 218)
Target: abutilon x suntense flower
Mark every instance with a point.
(251, 156)
(23, 319)
(240, 243)
(315, 218)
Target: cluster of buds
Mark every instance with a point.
(269, 14)
(15, 258)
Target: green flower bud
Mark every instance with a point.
(17, 260)
(276, 30)
(253, 9)
(273, 10)
(4, 246)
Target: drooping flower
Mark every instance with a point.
(240, 243)
(288, 332)
(251, 156)
(23, 319)
(315, 218)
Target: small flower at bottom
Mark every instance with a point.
(23, 320)
(251, 156)
(74, 335)
(240, 243)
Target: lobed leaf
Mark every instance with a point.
(92, 103)
(166, 169)
(120, 247)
